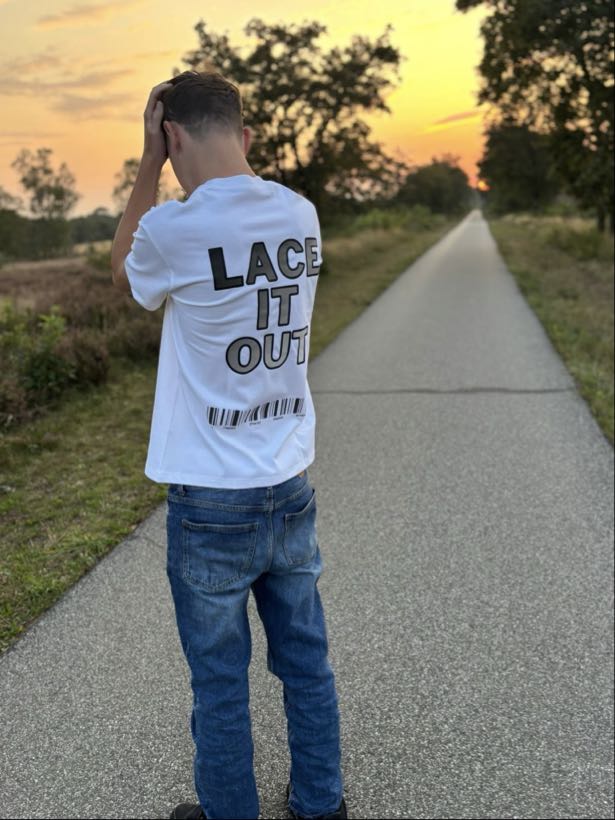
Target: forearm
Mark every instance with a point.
(142, 198)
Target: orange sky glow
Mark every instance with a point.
(75, 75)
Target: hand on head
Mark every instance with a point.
(154, 143)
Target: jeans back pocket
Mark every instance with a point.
(300, 540)
(217, 555)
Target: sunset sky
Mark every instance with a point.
(74, 76)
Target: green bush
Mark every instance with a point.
(378, 219)
(41, 357)
(34, 371)
(45, 370)
(418, 217)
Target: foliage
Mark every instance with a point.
(74, 323)
(442, 187)
(51, 196)
(52, 193)
(125, 182)
(418, 217)
(548, 65)
(518, 167)
(23, 238)
(14, 234)
(304, 105)
(98, 225)
(34, 370)
(41, 358)
(9, 202)
(101, 260)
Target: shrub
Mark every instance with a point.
(135, 335)
(415, 218)
(101, 260)
(378, 219)
(87, 352)
(45, 370)
(13, 399)
(41, 357)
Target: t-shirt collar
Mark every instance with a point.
(227, 182)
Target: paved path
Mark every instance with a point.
(465, 519)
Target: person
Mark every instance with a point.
(232, 434)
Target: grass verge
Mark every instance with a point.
(72, 483)
(564, 268)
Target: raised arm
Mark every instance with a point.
(143, 195)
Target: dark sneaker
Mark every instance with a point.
(188, 811)
(340, 814)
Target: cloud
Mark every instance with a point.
(11, 86)
(34, 62)
(153, 55)
(453, 120)
(464, 115)
(85, 13)
(31, 134)
(107, 106)
(128, 59)
(71, 88)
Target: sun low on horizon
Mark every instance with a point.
(75, 76)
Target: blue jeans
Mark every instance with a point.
(221, 544)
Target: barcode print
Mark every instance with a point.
(223, 417)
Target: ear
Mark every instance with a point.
(172, 134)
(247, 139)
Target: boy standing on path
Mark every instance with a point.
(233, 434)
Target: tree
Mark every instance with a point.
(100, 224)
(442, 186)
(52, 193)
(517, 165)
(548, 65)
(8, 202)
(126, 178)
(304, 105)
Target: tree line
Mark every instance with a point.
(547, 75)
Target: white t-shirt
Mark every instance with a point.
(238, 264)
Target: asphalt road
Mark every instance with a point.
(466, 524)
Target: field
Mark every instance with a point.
(71, 478)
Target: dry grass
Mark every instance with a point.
(565, 270)
(99, 246)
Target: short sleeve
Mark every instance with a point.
(148, 274)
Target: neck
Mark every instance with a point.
(212, 159)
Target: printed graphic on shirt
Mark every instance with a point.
(275, 409)
(246, 353)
